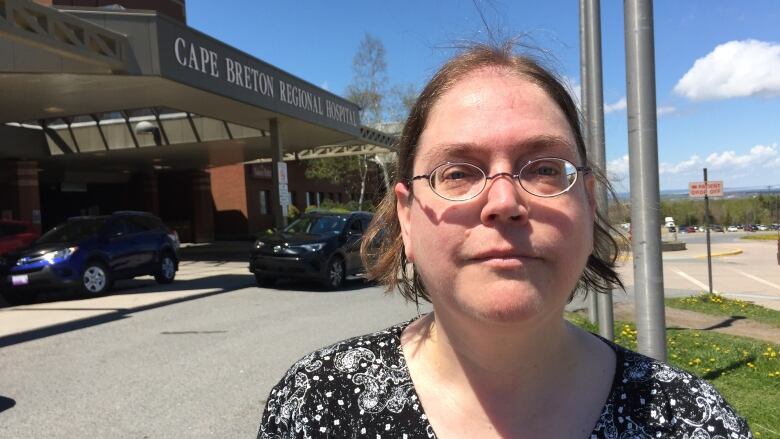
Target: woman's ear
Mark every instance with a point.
(403, 198)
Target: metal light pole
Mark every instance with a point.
(643, 164)
(596, 139)
(593, 312)
(707, 228)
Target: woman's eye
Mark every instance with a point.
(455, 175)
(547, 171)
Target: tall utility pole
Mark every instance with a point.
(597, 150)
(643, 165)
(593, 311)
(707, 228)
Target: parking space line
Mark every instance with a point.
(756, 278)
(693, 280)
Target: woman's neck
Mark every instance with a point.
(497, 359)
(537, 379)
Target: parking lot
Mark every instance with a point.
(197, 358)
(192, 359)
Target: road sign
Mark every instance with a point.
(282, 167)
(697, 189)
(284, 195)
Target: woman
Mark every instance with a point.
(492, 220)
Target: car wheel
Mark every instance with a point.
(166, 272)
(95, 279)
(335, 274)
(264, 281)
(15, 298)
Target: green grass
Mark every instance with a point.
(716, 305)
(746, 372)
(762, 236)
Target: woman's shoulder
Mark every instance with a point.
(347, 356)
(654, 396)
(332, 387)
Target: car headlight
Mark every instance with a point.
(259, 244)
(59, 255)
(313, 247)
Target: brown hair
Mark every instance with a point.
(387, 262)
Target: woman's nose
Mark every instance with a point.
(505, 200)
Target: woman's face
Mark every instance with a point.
(505, 255)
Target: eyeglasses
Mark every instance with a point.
(544, 177)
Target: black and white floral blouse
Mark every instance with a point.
(361, 388)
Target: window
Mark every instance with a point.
(355, 226)
(365, 222)
(308, 199)
(133, 226)
(264, 196)
(147, 222)
(12, 229)
(116, 228)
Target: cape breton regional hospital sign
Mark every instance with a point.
(203, 62)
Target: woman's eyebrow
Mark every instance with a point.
(532, 145)
(444, 151)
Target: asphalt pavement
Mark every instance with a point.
(197, 358)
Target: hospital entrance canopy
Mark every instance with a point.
(118, 88)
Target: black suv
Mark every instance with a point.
(319, 245)
(89, 253)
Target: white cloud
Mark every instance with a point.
(756, 167)
(660, 111)
(734, 69)
(617, 106)
(618, 169)
(759, 156)
(682, 167)
(325, 86)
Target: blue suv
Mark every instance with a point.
(89, 253)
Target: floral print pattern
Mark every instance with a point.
(361, 388)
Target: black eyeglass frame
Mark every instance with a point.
(516, 177)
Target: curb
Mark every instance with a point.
(627, 256)
(726, 253)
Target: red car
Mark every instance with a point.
(15, 235)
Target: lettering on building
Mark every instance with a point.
(208, 62)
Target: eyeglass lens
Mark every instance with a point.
(543, 177)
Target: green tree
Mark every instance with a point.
(368, 90)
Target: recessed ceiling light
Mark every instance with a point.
(53, 109)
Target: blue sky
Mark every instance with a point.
(717, 65)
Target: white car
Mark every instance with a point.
(732, 229)
(762, 228)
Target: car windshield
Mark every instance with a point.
(72, 231)
(7, 229)
(316, 225)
